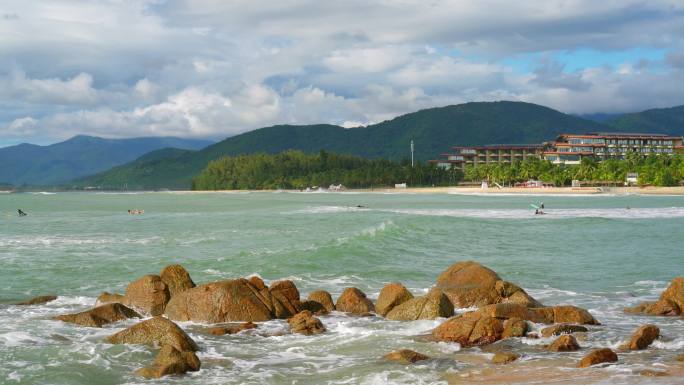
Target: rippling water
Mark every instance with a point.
(591, 251)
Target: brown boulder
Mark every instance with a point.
(564, 343)
(354, 301)
(148, 295)
(469, 284)
(232, 329)
(285, 298)
(170, 360)
(391, 295)
(514, 327)
(670, 303)
(598, 356)
(643, 337)
(557, 330)
(155, 331)
(433, 305)
(573, 314)
(512, 310)
(43, 299)
(223, 301)
(107, 297)
(470, 329)
(176, 278)
(257, 282)
(305, 323)
(406, 356)
(504, 358)
(324, 298)
(101, 315)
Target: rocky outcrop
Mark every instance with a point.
(391, 295)
(643, 337)
(305, 323)
(470, 329)
(222, 301)
(514, 327)
(469, 284)
(155, 331)
(257, 282)
(99, 316)
(354, 301)
(573, 314)
(555, 314)
(232, 328)
(670, 303)
(40, 300)
(107, 297)
(147, 295)
(504, 358)
(557, 330)
(170, 360)
(285, 299)
(433, 305)
(323, 298)
(406, 356)
(176, 278)
(564, 343)
(598, 356)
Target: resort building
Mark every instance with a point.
(566, 149)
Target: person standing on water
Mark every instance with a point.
(21, 213)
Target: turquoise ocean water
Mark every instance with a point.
(590, 251)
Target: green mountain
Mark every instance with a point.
(30, 164)
(433, 130)
(660, 120)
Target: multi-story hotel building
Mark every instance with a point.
(566, 149)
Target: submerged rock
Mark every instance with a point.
(557, 330)
(40, 300)
(354, 301)
(305, 323)
(392, 295)
(433, 305)
(155, 331)
(564, 343)
(469, 284)
(653, 373)
(232, 329)
(598, 356)
(323, 298)
(406, 356)
(176, 278)
(504, 358)
(670, 303)
(170, 360)
(148, 295)
(643, 337)
(99, 316)
(222, 301)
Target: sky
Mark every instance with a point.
(216, 68)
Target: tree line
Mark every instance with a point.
(298, 170)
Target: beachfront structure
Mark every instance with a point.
(565, 149)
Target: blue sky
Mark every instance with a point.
(212, 69)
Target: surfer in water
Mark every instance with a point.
(21, 213)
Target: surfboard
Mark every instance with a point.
(534, 206)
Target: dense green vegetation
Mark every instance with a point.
(660, 120)
(653, 170)
(297, 170)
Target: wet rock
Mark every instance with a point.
(643, 337)
(564, 343)
(573, 314)
(468, 284)
(40, 300)
(314, 307)
(305, 323)
(391, 295)
(155, 331)
(324, 298)
(354, 301)
(222, 301)
(433, 305)
(653, 373)
(232, 329)
(147, 295)
(470, 329)
(257, 282)
(557, 330)
(555, 314)
(107, 297)
(533, 336)
(176, 278)
(99, 316)
(680, 358)
(170, 360)
(670, 303)
(285, 297)
(598, 356)
(514, 327)
(406, 356)
(504, 358)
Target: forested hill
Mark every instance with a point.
(433, 130)
(660, 120)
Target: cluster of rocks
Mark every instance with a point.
(503, 310)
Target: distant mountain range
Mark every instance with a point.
(57, 163)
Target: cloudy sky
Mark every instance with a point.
(214, 68)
